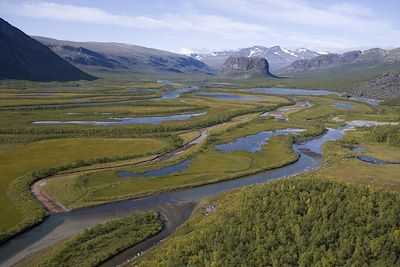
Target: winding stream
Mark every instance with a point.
(175, 206)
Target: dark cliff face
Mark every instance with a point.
(24, 58)
(245, 67)
(383, 87)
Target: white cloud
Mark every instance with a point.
(185, 51)
(349, 15)
(285, 22)
(224, 26)
(351, 9)
(199, 23)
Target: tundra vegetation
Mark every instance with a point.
(292, 222)
(95, 245)
(326, 205)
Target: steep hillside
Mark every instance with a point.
(383, 87)
(124, 58)
(24, 58)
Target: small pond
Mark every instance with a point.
(157, 172)
(253, 143)
(230, 97)
(371, 160)
(370, 101)
(291, 91)
(342, 105)
(355, 148)
(168, 82)
(177, 93)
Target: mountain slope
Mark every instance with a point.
(383, 87)
(372, 58)
(22, 57)
(245, 67)
(124, 58)
(277, 56)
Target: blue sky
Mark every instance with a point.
(212, 25)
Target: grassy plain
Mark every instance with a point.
(340, 165)
(30, 151)
(106, 186)
(27, 147)
(20, 160)
(343, 213)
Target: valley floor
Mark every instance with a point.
(80, 165)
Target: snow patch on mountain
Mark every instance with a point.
(288, 52)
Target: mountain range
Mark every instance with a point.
(277, 56)
(45, 59)
(23, 58)
(372, 58)
(96, 57)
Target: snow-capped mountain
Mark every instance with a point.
(278, 57)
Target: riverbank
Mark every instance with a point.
(80, 219)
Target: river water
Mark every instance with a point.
(126, 121)
(175, 206)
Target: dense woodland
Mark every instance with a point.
(296, 222)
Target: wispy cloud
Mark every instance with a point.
(338, 15)
(177, 22)
(294, 22)
(200, 23)
(73, 13)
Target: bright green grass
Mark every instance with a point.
(22, 152)
(106, 186)
(323, 111)
(21, 160)
(338, 163)
(17, 119)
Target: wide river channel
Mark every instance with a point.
(175, 207)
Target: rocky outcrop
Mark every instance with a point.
(24, 58)
(383, 87)
(245, 67)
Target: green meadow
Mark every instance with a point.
(98, 187)
(33, 151)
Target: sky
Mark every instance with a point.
(204, 26)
